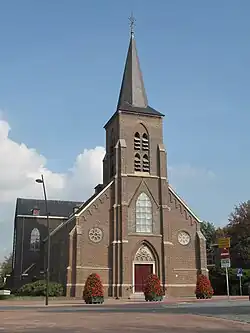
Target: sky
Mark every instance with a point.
(61, 65)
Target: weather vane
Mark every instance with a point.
(132, 23)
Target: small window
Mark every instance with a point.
(35, 240)
(145, 163)
(137, 162)
(137, 141)
(145, 145)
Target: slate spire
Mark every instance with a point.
(132, 93)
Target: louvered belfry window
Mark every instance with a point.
(137, 141)
(145, 145)
(145, 163)
(137, 162)
(141, 149)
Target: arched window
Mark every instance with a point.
(145, 145)
(145, 163)
(143, 214)
(35, 240)
(137, 162)
(137, 141)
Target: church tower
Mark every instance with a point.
(136, 161)
(135, 123)
(134, 224)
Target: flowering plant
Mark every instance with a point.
(203, 287)
(93, 287)
(153, 286)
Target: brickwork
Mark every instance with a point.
(102, 237)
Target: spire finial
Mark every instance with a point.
(132, 24)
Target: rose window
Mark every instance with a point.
(95, 235)
(183, 238)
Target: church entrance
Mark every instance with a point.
(142, 271)
(143, 266)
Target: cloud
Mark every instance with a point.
(21, 165)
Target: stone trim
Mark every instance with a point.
(142, 174)
(142, 234)
(81, 210)
(44, 217)
(120, 241)
(182, 285)
(129, 285)
(185, 269)
(184, 204)
(92, 267)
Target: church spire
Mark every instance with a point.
(132, 93)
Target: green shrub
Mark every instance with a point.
(217, 277)
(38, 288)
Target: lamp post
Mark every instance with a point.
(41, 181)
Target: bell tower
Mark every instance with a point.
(135, 126)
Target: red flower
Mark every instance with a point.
(203, 287)
(153, 286)
(93, 287)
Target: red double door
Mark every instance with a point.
(142, 271)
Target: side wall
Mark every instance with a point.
(61, 247)
(24, 257)
(92, 244)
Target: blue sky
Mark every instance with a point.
(61, 64)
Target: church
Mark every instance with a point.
(133, 225)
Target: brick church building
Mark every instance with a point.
(133, 225)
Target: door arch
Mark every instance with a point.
(143, 265)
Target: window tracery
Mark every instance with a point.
(144, 216)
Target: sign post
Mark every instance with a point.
(240, 274)
(224, 245)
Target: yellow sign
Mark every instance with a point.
(224, 243)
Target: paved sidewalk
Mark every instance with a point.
(110, 301)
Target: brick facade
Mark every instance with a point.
(102, 235)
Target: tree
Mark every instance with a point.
(209, 231)
(5, 267)
(238, 229)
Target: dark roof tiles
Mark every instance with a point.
(55, 207)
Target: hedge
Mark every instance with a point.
(217, 277)
(38, 288)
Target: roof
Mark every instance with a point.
(133, 97)
(184, 204)
(132, 89)
(82, 208)
(55, 207)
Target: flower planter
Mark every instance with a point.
(153, 298)
(203, 296)
(94, 300)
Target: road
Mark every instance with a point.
(205, 317)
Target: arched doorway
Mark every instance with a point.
(143, 265)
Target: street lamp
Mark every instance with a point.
(41, 181)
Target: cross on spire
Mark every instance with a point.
(132, 24)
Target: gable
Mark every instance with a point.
(180, 204)
(85, 207)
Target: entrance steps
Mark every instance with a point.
(137, 297)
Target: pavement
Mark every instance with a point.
(186, 316)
